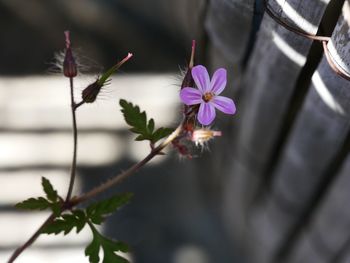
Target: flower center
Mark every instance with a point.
(207, 96)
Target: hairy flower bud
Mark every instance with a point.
(90, 93)
(69, 66)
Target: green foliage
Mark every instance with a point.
(138, 121)
(50, 192)
(66, 222)
(96, 212)
(51, 201)
(108, 246)
(39, 203)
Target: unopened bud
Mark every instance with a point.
(69, 66)
(90, 93)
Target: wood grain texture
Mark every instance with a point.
(305, 170)
(225, 48)
(228, 24)
(269, 83)
(328, 231)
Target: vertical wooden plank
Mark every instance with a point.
(225, 21)
(328, 231)
(269, 82)
(316, 145)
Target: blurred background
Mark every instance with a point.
(173, 217)
(272, 189)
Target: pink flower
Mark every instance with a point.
(207, 94)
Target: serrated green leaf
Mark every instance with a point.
(96, 212)
(134, 117)
(66, 223)
(39, 203)
(150, 126)
(56, 208)
(108, 246)
(140, 138)
(115, 245)
(50, 192)
(139, 124)
(161, 133)
(111, 257)
(93, 249)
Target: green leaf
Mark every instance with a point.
(56, 208)
(150, 126)
(65, 223)
(161, 133)
(39, 203)
(137, 119)
(93, 249)
(108, 246)
(51, 193)
(97, 212)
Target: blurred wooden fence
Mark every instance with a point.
(287, 165)
(282, 177)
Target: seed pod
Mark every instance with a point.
(69, 66)
(90, 93)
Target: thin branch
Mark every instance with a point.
(114, 181)
(31, 240)
(122, 176)
(77, 105)
(75, 142)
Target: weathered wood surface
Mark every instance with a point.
(225, 47)
(318, 222)
(327, 233)
(224, 23)
(269, 83)
(318, 136)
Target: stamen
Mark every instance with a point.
(208, 96)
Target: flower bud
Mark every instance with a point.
(69, 66)
(90, 93)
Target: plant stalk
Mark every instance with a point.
(75, 142)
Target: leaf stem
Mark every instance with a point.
(31, 240)
(75, 142)
(95, 191)
(122, 176)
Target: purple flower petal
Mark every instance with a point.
(218, 81)
(224, 104)
(206, 113)
(201, 78)
(190, 96)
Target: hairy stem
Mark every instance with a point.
(75, 142)
(31, 240)
(122, 176)
(95, 191)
